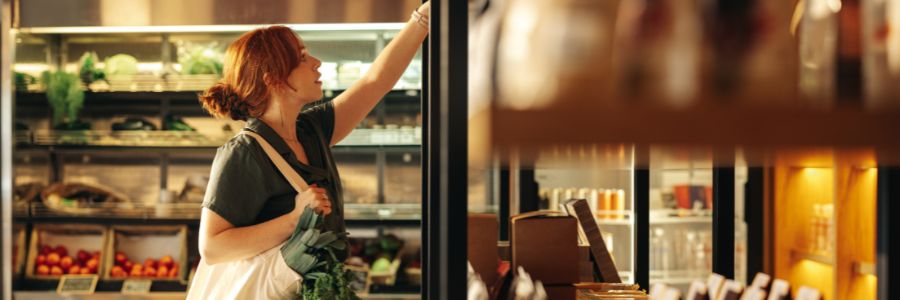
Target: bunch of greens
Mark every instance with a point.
(64, 94)
(88, 68)
(22, 81)
(310, 253)
(196, 59)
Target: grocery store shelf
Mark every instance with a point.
(390, 296)
(181, 141)
(529, 131)
(48, 295)
(163, 288)
(680, 216)
(370, 215)
(822, 258)
(123, 97)
(612, 222)
(864, 268)
(116, 295)
(614, 218)
(680, 220)
(367, 27)
(677, 276)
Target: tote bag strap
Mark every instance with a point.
(289, 173)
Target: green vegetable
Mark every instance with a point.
(201, 60)
(88, 70)
(310, 253)
(382, 264)
(22, 81)
(64, 94)
(176, 124)
(121, 64)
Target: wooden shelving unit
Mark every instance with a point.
(847, 180)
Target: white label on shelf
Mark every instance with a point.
(77, 284)
(136, 286)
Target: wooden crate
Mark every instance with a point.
(142, 242)
(20, 249)
(73, 236)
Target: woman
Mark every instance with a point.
(269, 76)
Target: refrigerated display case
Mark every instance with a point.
(604, 176)
(681, 203)
(680, 217)
(160, 170)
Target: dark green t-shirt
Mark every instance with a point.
(246, 188)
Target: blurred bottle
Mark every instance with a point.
(690, 243)
(881, 53)
(818, 34)
(828, 228)
(554, 52)
(657, 51)
(750, 57)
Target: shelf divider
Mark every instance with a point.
(821, 258)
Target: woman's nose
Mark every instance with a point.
(316, 62)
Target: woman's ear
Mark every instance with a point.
(268, 80)
(272, 85)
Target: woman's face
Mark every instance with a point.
(305, 78)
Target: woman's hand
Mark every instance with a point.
(314, 197)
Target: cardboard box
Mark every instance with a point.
(560, 292)
(545, 244)
(482, 246)
(90, 238)
(140, 243)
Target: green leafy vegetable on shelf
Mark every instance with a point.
(200, 60)
(176, 124)
(310, 253)
(88, 68)
(65, 95)
(121, 64)
(22, 81)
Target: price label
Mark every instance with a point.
(136, 286)
(77, 284)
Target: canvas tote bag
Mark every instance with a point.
(264, 276)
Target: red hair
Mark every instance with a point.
(242, 92)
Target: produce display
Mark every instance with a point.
(66, 98)
(121, 64)
(175, 123)
(200, 59)
(21, 81)
(164, 268)
(88, 70)
(77, 197)
(27, 192)
(55, 261)
(134, 123)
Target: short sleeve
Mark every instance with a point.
(323, 115)
(237, 187)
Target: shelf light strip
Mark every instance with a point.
(210, 28)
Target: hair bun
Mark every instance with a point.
(222, 101)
